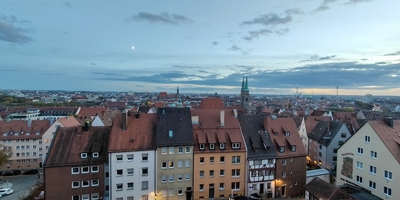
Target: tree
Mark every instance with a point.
(5, 154)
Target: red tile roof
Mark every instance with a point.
(9, 128)
(212, 103)
(312, 121)
(91, 111)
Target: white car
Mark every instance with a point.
(6, 191)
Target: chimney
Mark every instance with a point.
(389, 121)
(222, 117)
(86, 127)
(29, 122)
(124, 123)
(235, 113)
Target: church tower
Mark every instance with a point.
(244, 94)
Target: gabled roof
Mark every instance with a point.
(258, 143)
(318, 113)
(91, 111)
(35, 130)
(69, 143)
(211, 103)
(138, 136)
(325, 131)
(312, 121)
(389, 136)
(324, 190)
(176, 121)
(69, 121)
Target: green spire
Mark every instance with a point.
(242, 84)
(245, 87)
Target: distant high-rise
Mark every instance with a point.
(244, 94)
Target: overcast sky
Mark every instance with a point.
(202, 46)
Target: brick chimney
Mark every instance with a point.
(222, 117)
(124, 122)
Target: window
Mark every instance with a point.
(171, 150)
(372, 169)
(164, 165)
(129, 186)
(95, 182)
(180, 163)
(187, 177)
(334, 150)
(180, 191)
(235, 159)
(180, 177)
(163, 178)
(171, 178)
(95, 154)
(257, 162)
(235, 186)
(388, 175)
(287, 133)
(359, 179)
(187, 149)
(145, 197)
(212, 160)
(359, 165)
(119, 186)
(374, 154)
(283, 174)
(221, 145)
(145, 171)
(281, 149)
(75, 184)
(170, 133)
(83, 155)
(119, 172)
(360, 150)
(201, 187)
(343, 135)
(319, 154)
(212, 146)
(95, 169)
(119, 158)
(171, 164)
(235, 172)
(85, 170)
(85, 183)
(387, 191)
(129, 171)
(129, 198)
(340, 143)
(180, 150)
(201, 160)
(75, 170)
(211, 173)
(334, 158)
(187, 163)
(164, 150)
(221, 186)
(283, 162)
(293, 148)
(235, 145)
(202, 146)
(367, 139)
(372, 185)
(85, 196)
(222, 159)
(95, 196)
(145, 157)
(201, 174)
(145, 185)
(129, 157)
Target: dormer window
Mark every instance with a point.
(28, 133)
(202, 146)
(281, 149)
(221, 145)
(83, 155)
(170, 133)
(212, 146)
(287, 133)
(37, 133)
(293, 148)
(95, 154)
(16, 133)
(235, 145)
(4, 133)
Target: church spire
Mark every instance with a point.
(245, 85)
(242, 84)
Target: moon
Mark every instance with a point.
(133, 47)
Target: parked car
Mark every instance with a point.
(6, 191)
(8, 173)
(255, 196)
(16, 172)
(31, 171)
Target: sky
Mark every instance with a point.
(202, 46)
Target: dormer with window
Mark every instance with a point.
(95, 154)
(212, 146)
(293, 148)
(221, 146)
(170, 133)
(5, 134)
(236, 145)
(287, 133)
(281, 149)
(202, 146)
(83, 155)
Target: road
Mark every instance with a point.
(21, 185)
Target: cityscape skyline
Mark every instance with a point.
(202, 47)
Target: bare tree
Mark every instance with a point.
(5, 154)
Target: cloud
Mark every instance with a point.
(93, 63)
(324, 6)
(393, 54)
(12, 19)
(67, 5)
(271, 19)
(161, 18)
(12, 34)
(215, 43)
(234, 48)
(352, 2)
(318, 58)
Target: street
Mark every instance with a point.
(21, 185)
